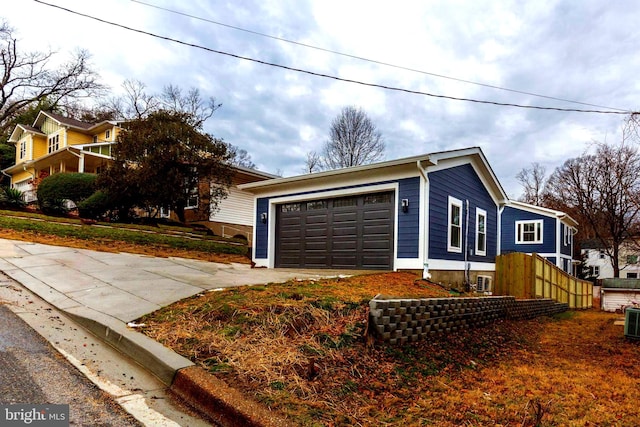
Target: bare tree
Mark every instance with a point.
(240, 157)
(533, 182)
(602, 191)
(353, 140)
(27, 79)
(313, 163)
(191, 103)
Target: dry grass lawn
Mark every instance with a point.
(298, 348)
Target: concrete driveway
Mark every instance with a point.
(126, 286)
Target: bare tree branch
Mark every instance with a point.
(533, 181)
(353, 140)
(602, 191)
(28, 79)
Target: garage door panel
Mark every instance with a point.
(339, 217)
(315, 246)
(316, 219)
(370, 230)
(345, 245)
(345, 231)
(376, 214)
(316, 232)
(376, 245)
(352, 232)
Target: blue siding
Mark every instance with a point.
(262, 230)
(463, 183)
(508, 241)
(409, 222)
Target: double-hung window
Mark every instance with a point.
(481, 232)
(455, 225)
(529, 232)
(54, 143)
(23, 149)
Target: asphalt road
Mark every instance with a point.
(32, 372)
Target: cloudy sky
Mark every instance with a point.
(584, 51)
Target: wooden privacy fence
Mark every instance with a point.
(532, 276)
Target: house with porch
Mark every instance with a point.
(54, 144)
(57, 144)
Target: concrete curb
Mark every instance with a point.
(222, 403)
(150, 354)
(201, 390)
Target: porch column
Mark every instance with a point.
(81, 163)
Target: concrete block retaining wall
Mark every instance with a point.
(398, 321)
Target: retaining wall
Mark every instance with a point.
(398, 321)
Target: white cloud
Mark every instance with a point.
(585, 51)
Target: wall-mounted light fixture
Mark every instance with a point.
(405, 205)
(263, 217)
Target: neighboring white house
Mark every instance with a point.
(599, 264)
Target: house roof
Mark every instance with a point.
(24, 128)
(66, 121)
(254, 172)
(421, 161)
(543, 211)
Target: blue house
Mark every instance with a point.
(438, 213)
(547, 232)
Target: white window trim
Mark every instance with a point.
(481, 213)
(520, 225)
(53, 143)
(23, 149)
(453, 202)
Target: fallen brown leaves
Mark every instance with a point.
(298, 348)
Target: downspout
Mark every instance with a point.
(425, 206)
(467, 265)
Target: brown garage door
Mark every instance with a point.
(346, 232)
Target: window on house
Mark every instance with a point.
(594, 271)
(377, 198)
(291, 207)
(455, 225)
(601, 255)
(528, 232)
(192, 197)
(192, 200)
(54, 143)
(316, 204)
(481, 232)
(107, 134)
(632, 275)
(95, 138)
(23, 149)
(345, 202)
(632, 259)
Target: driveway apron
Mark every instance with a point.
(126, 286)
